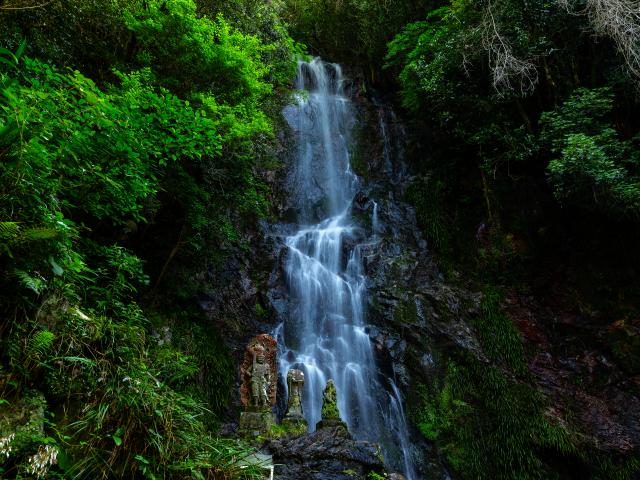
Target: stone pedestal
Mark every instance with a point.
(338, 424)
(256, 423)
(295, 425)
(322, 455)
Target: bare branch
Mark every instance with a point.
(508, 71)
(620, 21)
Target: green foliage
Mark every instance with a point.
(490, 426)
(53, 33)
(428, 55)
(40, 344)
(626, 470)
(284, 429)
(353, 31)
(374, 476)
(500, 338)
(106, 153)
(439, 409)
(107, 183)
(198, 54)
(595, 167)
(135, 412)
(216, 365)
(428, 196)
(468, 69)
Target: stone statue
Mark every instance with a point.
(330, 409)
(258, 389)
(260, 379)
(295, 381)
(330, 412)
(258, 373)
(294, 419)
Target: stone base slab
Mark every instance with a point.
(256, 423)
(339, 426)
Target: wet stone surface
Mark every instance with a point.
(326, 454)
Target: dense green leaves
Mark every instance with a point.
(351, 31)
(471, 66)
(428, 53)
(595, 167)
(115, 166)
(199, 54)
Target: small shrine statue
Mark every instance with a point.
(258, 373)
(330, 409)
(294, 420)
(330, 412)
(260, 379)
(258, 388)
(295, 382)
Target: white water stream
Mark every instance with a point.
(326, 334)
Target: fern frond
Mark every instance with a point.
(40, 344)
(9, 230)
(38, 233)
(32, 283)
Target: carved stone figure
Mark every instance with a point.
(330, 412)
(330, 409)
(260, 379)
(295, 381)
(258, 389)
(258, 373)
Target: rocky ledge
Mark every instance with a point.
(326, 454)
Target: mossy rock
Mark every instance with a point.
(287, 428)
(406, 313)
(330, 409)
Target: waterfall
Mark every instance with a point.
(375, 222)
(326, 333)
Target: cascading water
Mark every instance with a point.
(326, 335)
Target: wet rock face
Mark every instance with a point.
(235, 301)
(586, 390)
(327, 454)
(412, 311)
(607, 418)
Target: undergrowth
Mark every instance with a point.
(490, 421)
(490, 426)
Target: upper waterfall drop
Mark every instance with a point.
(326, 332)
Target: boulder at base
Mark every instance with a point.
(326, 454)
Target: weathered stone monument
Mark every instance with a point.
(294, 417)
(259, 382)
(330, 412)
